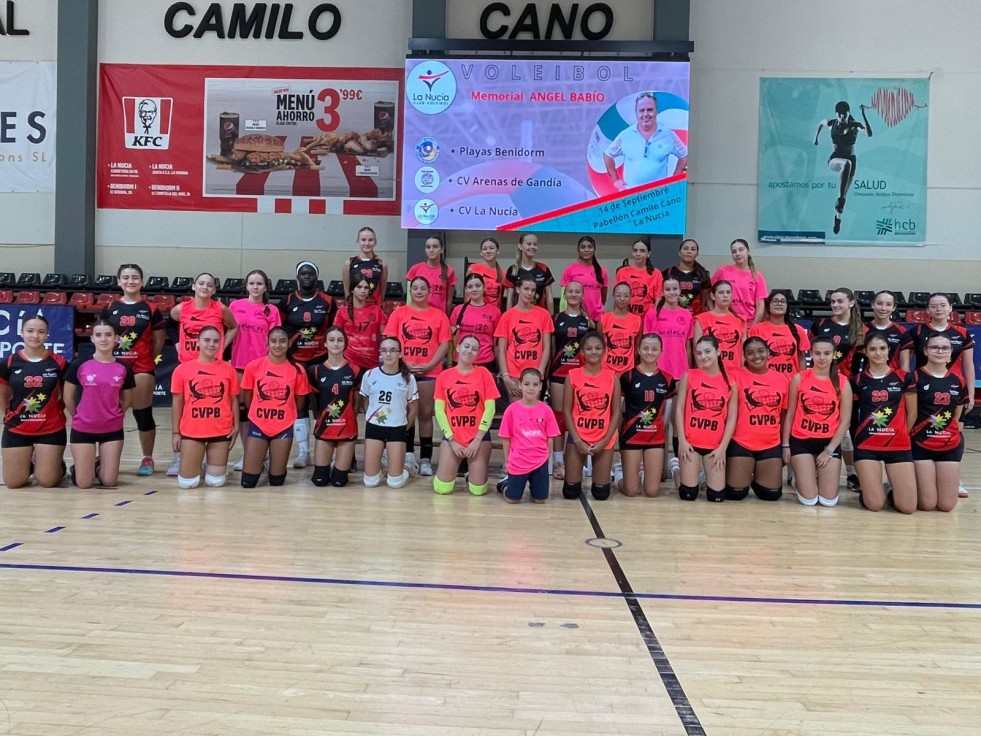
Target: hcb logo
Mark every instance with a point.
(147, 122)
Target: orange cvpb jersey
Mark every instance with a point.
(592, 402)
(706, 409)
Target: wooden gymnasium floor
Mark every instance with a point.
(148, 610)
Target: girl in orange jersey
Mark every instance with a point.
(491, 271)
(592, 416)
(465, 406)
(523, 337)
(273, 388)
(644, 280)
(336, 383)
(786, 340)
(191, 316)
(724, 325)
(441, 277)
(424, 332)
(364, 321)
(621, 331)
(705, 418)
(204, 412)
(477, 317)
(754, 457)
(818, 410)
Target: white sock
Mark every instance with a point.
(301, 433)
(850, 470)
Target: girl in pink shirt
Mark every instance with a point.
(748, 285)
(441, 278)
(526, 427)
(675, 326)
(593, 277)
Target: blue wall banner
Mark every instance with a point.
(61, 328)
(843, 160)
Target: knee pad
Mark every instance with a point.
(688, 493)
(715, 496)
(277, 480)
(144, 419)
(215, 481)
(372, 481)
(250, 480)
(338, 478)
(476, 490)
(398, 481)
(571, 491)
(766, 494)
(601, 491)
(186, 483)
(442, 487)
(736, 494)
(807, 501)
(321, 476)
(828, 502)
(243, 413)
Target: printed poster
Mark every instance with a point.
(27, 126)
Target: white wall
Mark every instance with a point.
(28, 232)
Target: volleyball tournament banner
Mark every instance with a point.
(61, 328)
(561, 146)
(249, 139)
(27, 126)
(843, 161)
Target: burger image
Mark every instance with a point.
(257, 152)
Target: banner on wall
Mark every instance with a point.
(249, 139)
(843, 160)
(61, 328)
(27, 126)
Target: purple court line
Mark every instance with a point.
(90, 516)
(11, 546)
(487, 588)
(122, 503)
(54, 530)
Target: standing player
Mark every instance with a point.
(525, 264)
(490, 270)
(478, 318)
(139, 328)
(336, 430)
(644, 280)
(748, 284)
(307, 313)
(693, 277)
(424, 332)
(440, 277)
(523, 338)
(727, 327)
(362, 322)
(367, 265)
(593, 277)
(646, 390)
(880, 419)
(754, 456)
(621, 331)
(465, 405)
(570, 326)
(273, 388)
(786, 341)
(34, 419)
(883, 307)
(592, 416)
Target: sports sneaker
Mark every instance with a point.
(175, 468)
(853, 484)
(962, 492)
(239, 465)
(384, 460)
(617, 474)
(425, 467)
(146, 467)
(302, 460)
(411, 465)
(502, 483)
(674, 466)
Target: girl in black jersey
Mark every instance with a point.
(883, 307)
(844, 133)
(936, 401)
(34, 412)
(139, 327)
(694, 279)
(570, 325)
(526, 264)
(335, 384)
(645, 389)
(366, 265)
(306, 315)
(880, 419)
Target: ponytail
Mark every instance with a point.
(856, 331)
(833, 373)
(752, 266)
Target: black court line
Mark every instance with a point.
(676, 692)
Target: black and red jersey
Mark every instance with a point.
(335, 390)
(844, 350)
(134, 324)
(369, 269)
(539, 271)
(879, 411)
(937, 399)
(691, 288)
(567, 355)
(960, 340)
(644, 396)
(894, 335)
(36, 406)
(306, 320)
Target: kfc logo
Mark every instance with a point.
(147, 122)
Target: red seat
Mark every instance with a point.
(955, 317)
(918, 316)
(81, 300)
(101, 302)
(163, 302)
(28, 297)
(973, 318)
(55, 297)
(6, 296)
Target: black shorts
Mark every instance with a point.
(702, 451)
(14, 439)
(206, 440)
(256, 433)
(886, 456)
(95, 438)
(384, 434)
(626, 444)
(953, 455)
(770, 453)
(810, 446)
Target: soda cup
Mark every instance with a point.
(227, 132)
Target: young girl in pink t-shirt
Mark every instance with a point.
(526, 428)
(593, 277)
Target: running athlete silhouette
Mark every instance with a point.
(844, 133)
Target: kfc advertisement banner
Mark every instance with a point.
(27, 126)
(245, 139)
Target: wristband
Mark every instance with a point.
(786, 447)
(831, 453)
